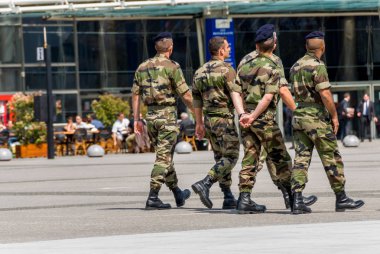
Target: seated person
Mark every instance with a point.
(79, 123)
(70, 127)
(95, 122)
(2, 126)
(119, 130)
(185, 124)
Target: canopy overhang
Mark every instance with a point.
(114, 9)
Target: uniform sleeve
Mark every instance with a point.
(283, 81)
(136, 88)
(197, 96)
(230, 81)
(180, 85)
(238, 81)
(272, 84)
(320, 78)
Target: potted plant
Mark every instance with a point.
(30, 134)
(108, 106)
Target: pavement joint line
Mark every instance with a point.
(344, 237)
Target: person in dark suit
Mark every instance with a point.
(366, 113)
(344, 115)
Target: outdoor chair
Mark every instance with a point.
(80, 137)
(106, 141)
(60, 142)
(189, 136)
(4, 136)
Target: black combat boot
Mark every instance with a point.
(343, 202)
(310, 200)
(299, 206)
(246, 205)
(286, 193)
(154, 203)
(180, 196)
(229, 199)
(202, 188)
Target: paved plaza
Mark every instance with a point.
(95, 205)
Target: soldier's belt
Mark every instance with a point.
(309, 105)
(158, 107)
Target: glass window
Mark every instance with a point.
(60, 39)
(10, 79)
(10, 45)
(63, 78)
(68, 104)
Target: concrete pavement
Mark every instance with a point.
(90, 199)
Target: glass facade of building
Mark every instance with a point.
(93, 57)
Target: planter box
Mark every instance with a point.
(31, 150)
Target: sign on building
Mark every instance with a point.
(224, 28)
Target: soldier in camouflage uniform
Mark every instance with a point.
(312, 125)
(159, 81)
(214, 91)
(263, 156)
(260, 82)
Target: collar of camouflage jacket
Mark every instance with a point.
(312, 55)
(162, 55)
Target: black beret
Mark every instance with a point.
(162, 35)
(315, 34)
(264, 33)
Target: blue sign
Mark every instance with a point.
(223, 28)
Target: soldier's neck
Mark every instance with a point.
(221, 58)
(267, 54)
(164, 54)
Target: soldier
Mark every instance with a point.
(263, 156)
(159, 80)
(312, 126)
(214, 90)
(260, 82)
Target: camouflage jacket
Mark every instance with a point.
(212, 84)
(258, 77)
(249, 57)
(307, 77)
(159, 80)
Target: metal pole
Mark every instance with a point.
(49, 92)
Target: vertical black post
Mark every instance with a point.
(50, 106)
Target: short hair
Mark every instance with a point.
(346, 95)
(215, 43)
(266, 46)
(184, 115)
(163, 45)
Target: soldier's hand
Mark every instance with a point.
(246, 120)
(138, 127)
(200, 131)
(335, 124)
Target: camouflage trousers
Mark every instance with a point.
(270, 165)
(224, 141)
(163, 131)
(264, 134)
(307, 133)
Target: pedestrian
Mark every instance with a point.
(366, 113)
(312, 126)
(344, 115)
(214, 92)
(159, 80)
(261, 84)
(263, 156)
